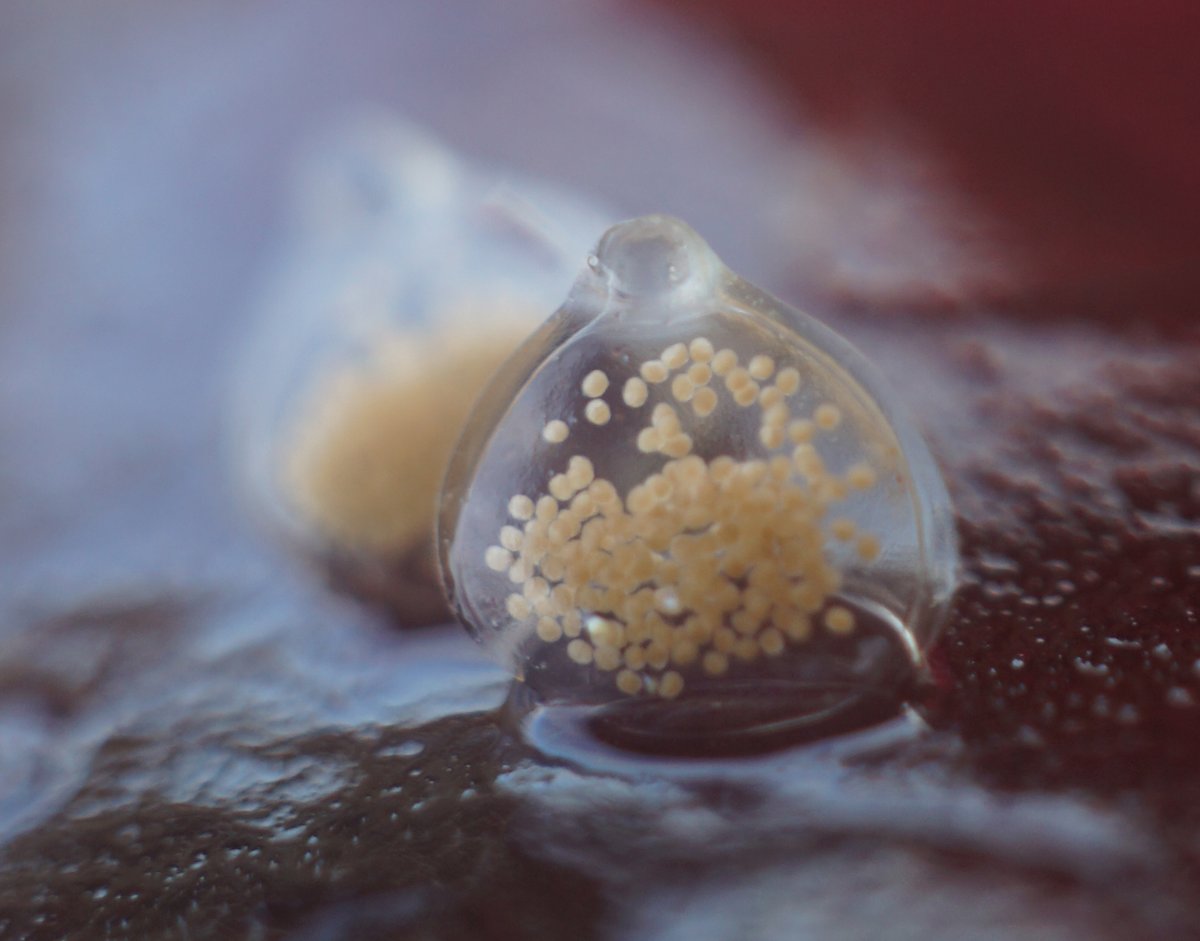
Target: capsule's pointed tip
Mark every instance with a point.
(652, 256)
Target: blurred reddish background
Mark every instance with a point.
(1078, 123)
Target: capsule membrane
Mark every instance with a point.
(693, 507)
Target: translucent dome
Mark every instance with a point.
(682, 491)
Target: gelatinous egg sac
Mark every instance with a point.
(410, 276)
(680, 487)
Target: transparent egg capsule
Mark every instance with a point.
(409, 277)
(695, 510)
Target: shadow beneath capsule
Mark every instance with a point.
(747, 720)
(402, 587)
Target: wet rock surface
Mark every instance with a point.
(199, 742)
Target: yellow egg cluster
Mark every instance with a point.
(365, 455)
(700, 564)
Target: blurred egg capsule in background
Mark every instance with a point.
(696, 511)
(408, 278)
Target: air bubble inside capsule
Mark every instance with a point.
(696, 511)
